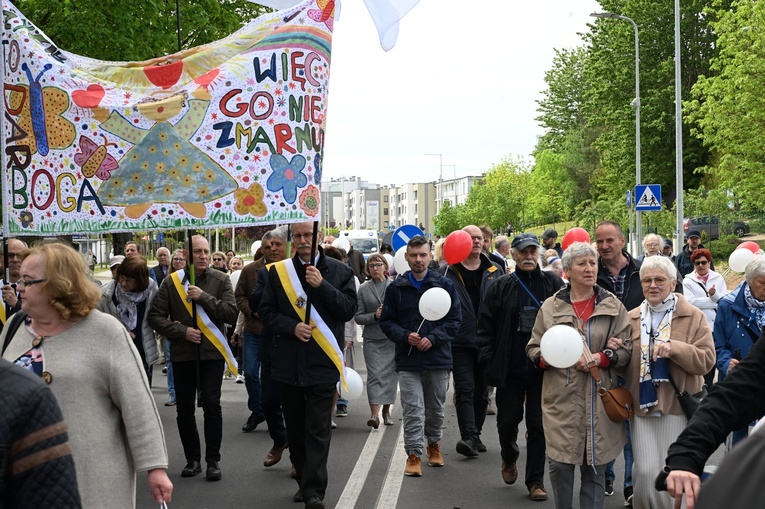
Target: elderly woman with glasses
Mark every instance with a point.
(704, 288)
(379, 352)
(671, 344)
(577, 428)
(96, 374)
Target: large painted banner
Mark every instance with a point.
(226, 134)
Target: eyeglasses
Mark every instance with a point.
(302, 236)
(652, 245)
(477, 237)
(11, 256)
(700, 262)
(376, 265)
(217, 259)
(29, 282)
(658, 281)
(179, 259)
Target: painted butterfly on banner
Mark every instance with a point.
(95, 159)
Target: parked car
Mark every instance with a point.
(711, 225)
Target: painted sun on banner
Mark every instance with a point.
(226, 134)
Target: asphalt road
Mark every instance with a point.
(365, 466)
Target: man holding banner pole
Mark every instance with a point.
(307, 359)
(171, 315)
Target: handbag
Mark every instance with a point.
(689, 402)
(617, 401)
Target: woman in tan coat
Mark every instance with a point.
(670, 338)
(577, 429)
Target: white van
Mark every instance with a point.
(365, 241)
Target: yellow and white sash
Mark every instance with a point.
(321, 333)
(3, 317)
(204, 323)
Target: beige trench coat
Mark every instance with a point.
(577, 429)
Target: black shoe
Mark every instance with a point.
(480, 446)
(467, 447)
(192, 468)
(628, 496)
(609, 488)
(213, 471)
(298, 496)
(314, 503)
(252, 422)
(342, 411)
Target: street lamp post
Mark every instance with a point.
(638, 249)
(440, 193)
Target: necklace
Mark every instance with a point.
(583, 306)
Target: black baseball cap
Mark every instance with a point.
(550, 233)
(693, 233)
(524, 240)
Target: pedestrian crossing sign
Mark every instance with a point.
(648, 197)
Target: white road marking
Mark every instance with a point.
(395, 476)
(358, 477)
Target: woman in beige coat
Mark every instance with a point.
(577, 429)
(670, 338)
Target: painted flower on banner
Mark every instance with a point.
(250, 201)
(26, 219)
(287, 176)
(309, 200)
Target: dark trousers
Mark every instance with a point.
(470, 391)
(252, 375)
(510, 403)
(211, 378)
(272, 405)
(308, 416)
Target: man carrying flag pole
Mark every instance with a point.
(307, 361)
(171, 315)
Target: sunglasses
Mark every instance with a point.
(217, 259)
(700, 262)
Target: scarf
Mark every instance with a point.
(655, 327)
(126, 305)
(756, 307)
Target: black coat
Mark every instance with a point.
(633, 290)
(467, 337)
(293, 361)
(501, 347)
(731, 405)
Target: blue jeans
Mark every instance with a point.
(169, 366)
(628, 460)
(251, 364)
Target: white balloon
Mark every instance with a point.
(342, 243)
(399, 261)
(435, 303)
(739, 259)
(562, 346)
(255, 246)
(354, 383)
(389, 259)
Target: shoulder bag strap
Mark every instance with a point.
(533, 297)
(12, 326)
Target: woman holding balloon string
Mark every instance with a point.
(577, 428)
(672, 346)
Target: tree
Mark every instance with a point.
(108, 30)
(728, 107)
(448, 219)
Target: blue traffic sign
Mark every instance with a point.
(402, 235)
(648, 197)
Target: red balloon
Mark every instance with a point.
(575, 235)
(457, 247)
(750, 245)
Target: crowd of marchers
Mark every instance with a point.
(663, 327)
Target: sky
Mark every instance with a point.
(462, 81)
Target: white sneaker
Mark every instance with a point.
(334, 426)
(240, 379)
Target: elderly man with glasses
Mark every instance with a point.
(10, 294)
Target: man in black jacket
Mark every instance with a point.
(505, 322)
(307, 374)
(734, 402)
(471, 278)
(36, 465)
